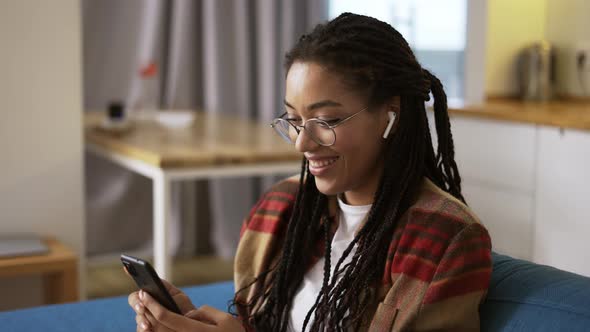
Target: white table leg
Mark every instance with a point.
(162, 219)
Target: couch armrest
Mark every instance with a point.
(524, 296)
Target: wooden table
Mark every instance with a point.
(58, 268)
(213, 146)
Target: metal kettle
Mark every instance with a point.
(536, 72)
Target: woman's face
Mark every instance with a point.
(353, 165)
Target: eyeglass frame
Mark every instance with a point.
(298, 128)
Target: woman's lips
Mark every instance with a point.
(319, 166)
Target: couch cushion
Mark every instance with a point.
(529, 297)
(111, 314)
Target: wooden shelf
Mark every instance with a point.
(58, 268)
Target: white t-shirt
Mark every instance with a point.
(350, 220)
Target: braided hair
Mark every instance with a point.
(373, 58)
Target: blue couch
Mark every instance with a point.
(523, 297)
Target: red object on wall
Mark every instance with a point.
(150, 70)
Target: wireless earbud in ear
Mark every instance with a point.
(390, 123)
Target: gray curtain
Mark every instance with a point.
(214, 55)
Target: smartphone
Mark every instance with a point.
(147, 279)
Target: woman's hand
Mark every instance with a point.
(184, 303)
(151, 316)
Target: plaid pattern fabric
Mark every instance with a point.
(436, 274)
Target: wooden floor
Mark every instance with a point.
(109, 279)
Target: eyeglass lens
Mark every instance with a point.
(319, 131)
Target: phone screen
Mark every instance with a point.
(147, 279)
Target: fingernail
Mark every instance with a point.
(137, 307)
(144, 326)
(141, 294)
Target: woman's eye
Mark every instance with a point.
(331, 122)
(290, 116)
(293, 120)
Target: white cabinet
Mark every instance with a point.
(495, 154)
(562, 213)
(496, 161)
(530, 186)
(507, 215)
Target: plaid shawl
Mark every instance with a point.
(436, 274)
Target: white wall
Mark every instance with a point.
(40, 129)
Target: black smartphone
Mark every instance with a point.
(147, 279)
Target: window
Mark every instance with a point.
(436, 31)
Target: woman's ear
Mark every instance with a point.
(393, 105)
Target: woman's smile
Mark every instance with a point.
(319, 166)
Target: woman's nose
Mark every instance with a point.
(304, 142)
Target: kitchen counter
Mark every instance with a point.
(565, 114)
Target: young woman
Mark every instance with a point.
(374, 234)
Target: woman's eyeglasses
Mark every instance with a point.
(320, 131)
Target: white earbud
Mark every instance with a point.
(389, 124)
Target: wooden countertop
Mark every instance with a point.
(562, 114)
(210, 140)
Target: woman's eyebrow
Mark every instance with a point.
(288, 105)
(317, 105)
